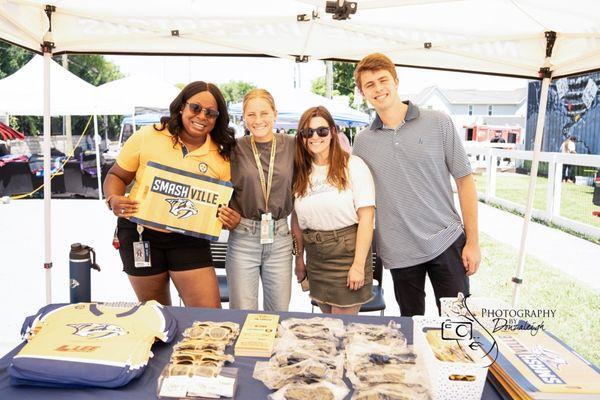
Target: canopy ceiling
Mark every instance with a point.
(504, 37)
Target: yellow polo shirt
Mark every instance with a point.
(148, 144)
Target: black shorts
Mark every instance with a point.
(168, 251)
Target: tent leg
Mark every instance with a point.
(133, 122)
(47, 183)
(97, 139)
(539, 134)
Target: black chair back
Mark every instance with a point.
(219, 252)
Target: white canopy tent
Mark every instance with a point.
(23, 94)
(536, 39)
(123, 95)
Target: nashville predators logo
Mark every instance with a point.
(182, 208)
(92, 330)
(549, 357)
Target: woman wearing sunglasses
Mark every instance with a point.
(194, 138)
(260, 246)
(334, 214)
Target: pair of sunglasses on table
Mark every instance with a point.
(218, 331)
(321, 131)
(198, 358)
(196, 109)
(191, 370)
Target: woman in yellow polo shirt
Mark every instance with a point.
(195, 138)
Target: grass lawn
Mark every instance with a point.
(575, 203)
(577, 306)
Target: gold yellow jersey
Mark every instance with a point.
(91, 344)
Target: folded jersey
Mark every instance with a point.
(90, 344)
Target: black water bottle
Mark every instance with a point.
(82, 258)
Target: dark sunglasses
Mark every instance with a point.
(322, 131)
(197, 109)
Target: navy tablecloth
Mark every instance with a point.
(145, 386)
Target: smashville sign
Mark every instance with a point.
(181, 201)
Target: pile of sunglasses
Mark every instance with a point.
(308, 363)
(381, 365)
(202, 350)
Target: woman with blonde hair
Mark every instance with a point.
(260, 242)
(334, 211)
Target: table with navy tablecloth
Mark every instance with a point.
(145, 386)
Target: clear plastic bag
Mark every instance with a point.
(311, 391)
(314, 328)
(307, 371)
(377, 356)
(396, 391)
(386, 335)
(334, 363)
(288, 341)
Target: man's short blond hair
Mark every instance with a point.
(374, 62)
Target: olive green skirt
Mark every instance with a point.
(329, 256)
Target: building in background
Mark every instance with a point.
(479, 115)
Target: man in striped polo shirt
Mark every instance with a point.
(412, 153)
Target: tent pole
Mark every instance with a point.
(67, 118)
(97, 139)
(133, 121)
(539, 134)
(47, 183)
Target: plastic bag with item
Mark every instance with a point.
(307, 371)
(311, 391)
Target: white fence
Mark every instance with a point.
(493, 163)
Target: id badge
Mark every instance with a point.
(267, 229)
(141, 254)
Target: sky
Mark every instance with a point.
(272, 73)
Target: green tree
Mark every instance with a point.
(343, 81)
(92, 68)
(319, 87)
(12, 58)
(343, 78)
(234, 91)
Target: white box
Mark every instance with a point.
(441, 374)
